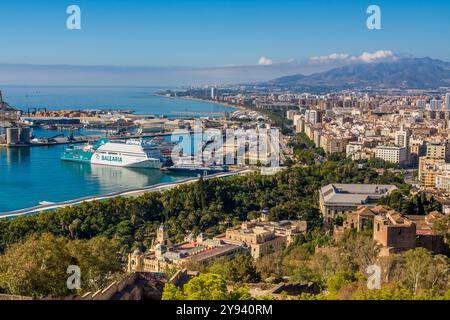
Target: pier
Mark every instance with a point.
(80, 139)
(49, 206)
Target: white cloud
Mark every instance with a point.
(330, 58)
(263, 61)
(366, 57)
(377, 55)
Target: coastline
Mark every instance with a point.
(189, 98)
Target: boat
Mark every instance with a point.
(51, 127)
(131, 153)
(189, 165)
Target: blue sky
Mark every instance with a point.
(205, 34)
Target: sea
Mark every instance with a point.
(29, 176)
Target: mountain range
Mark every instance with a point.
(406, 73)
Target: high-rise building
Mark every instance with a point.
(447, 102)
(313, 116)
(402, 138)
(421, 104)
(435, 104)
(213, 93)
(2, 104)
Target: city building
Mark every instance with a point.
(437, 150)
(421, 104)
(164, 256)
(332, 144)
(447, 102)
(353, 149)
(435, 104)
(392, 154)
(429, 169)
(394, 232)
(262, 237)
(213, 93)
(339, 199)
(313, 116)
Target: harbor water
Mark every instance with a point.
(29, 176)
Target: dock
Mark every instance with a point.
(81, 139)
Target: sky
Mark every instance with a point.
(188, 41)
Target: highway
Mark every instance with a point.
(128, 193)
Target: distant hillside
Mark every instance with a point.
(411, 73)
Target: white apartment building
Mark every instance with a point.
(313, 116)
(392, 154)
(443, 178)
(352, 150)
(402, 138)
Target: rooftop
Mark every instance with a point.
(354, 193)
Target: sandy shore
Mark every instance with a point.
(223, 104)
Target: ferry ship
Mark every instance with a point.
(120, 153)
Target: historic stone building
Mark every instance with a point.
(393, 231)
(339, 199)
(262, 237)
(164, 256)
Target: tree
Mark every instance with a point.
(392, 292)
(207, 286)
(241, 293)
(417, 270)
(97, 259)
(441, 227)
(171, 292)
(270, 265)
(242, 269)
(341, 279)
(36, 267)
(359, 251)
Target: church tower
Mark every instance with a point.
(162, 235)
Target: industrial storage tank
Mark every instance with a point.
(24, 135)
(12, 136)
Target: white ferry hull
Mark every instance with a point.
(126, 161)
